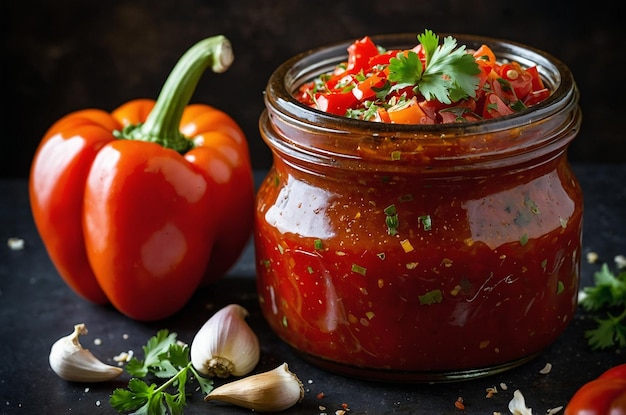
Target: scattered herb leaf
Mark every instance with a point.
(164, 357)
(608, 295)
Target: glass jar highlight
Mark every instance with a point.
(418, 252)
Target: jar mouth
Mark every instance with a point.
(309, 64)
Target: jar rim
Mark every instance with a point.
(306, 65)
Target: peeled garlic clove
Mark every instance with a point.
(71, 362)
(271, 391)
(225, 345)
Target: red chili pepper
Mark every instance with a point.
(359, 54)
(140, 206)
(605, 395)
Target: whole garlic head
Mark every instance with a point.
(225, 345)
(71, 362)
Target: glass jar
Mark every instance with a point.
(418, 252)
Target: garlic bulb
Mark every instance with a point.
(271, 391)
(71, 362)
(225, 345)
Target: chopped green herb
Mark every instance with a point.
(523, 240)
(518, 106)
(395, 155)
(390, 210)
(492, 107)
(391, 220)
(318, 244)
(560, 287)
(381, 255)
(431, 297)
(426, 222)
(608, 295)
(359, 269)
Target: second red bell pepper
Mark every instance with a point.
(140, 206)
(605, 395)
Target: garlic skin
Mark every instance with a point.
(271, 391)
(71, 362)
(225, 345)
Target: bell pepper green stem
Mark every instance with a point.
(163, 124)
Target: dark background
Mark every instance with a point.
(64, 55)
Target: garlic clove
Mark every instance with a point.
(225, 345)
(271, 391)
(71, 362)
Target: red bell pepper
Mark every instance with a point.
(141, 206)
(605, 395)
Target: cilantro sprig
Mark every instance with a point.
(164, 358)
(608, 295)
(448, 74)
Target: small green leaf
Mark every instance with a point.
(431, 297)
(359, 269)
(523, 240)
(560, 287)
(156, 346)
(426, 222)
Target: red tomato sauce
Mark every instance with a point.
(479, 273)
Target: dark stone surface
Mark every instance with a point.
(36, 308)
(66, 55)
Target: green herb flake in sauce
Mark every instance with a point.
(560, 287)
(426, 222)
(523, 240)
(318, 244)
(381, 256)
(431, 297)
(395, 155)
(359, 269)
(391, 220)
(532, 206)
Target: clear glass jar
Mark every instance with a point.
(482, 272)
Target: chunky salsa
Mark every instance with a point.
(412, 254)
(428, 84)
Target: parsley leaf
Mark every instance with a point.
(608, 295)
(449, 74)
(167, 359)
(155, 347)
(406, 70)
